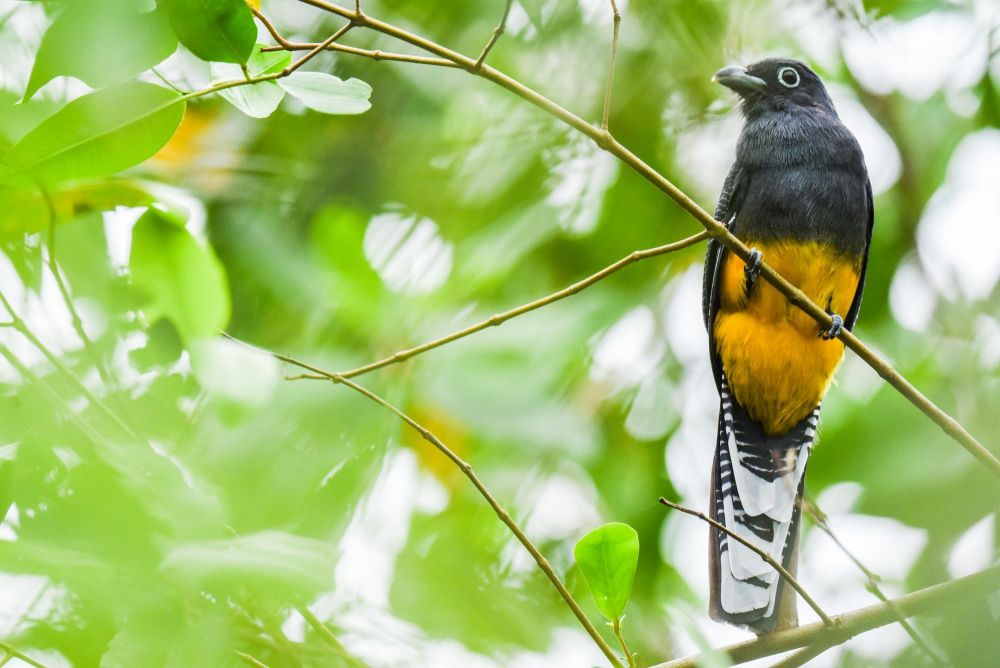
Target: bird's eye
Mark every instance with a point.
(789, 77)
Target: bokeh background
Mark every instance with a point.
(344, 239)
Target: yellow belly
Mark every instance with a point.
(777, 366)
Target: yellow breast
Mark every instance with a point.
(778, 368)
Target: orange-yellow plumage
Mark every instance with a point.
(777, 366)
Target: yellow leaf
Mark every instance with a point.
(254, 4)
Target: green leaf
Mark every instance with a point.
(258, 100)
(182, 279)
(327, 93)
(274, 562)
(216, 30)
(101, 43)
(608, 557)
(96, 135)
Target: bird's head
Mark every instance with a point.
(775, 83)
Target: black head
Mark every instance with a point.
(775, 84)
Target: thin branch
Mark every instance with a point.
(494, 37)
(74, 316)
(375, 55)
(819, 518)
(324, 631)
(715, 229)
(250, 660)
(616, 626)
(856, 622)
(611, 66)
(466, 468)
(15, 652)
(803, 656)
(319, 47)
(500, 318)
(23, 329)
(771, 561)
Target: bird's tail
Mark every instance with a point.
(757, 484)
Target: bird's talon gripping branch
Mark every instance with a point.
(752, 270)
(835, 328)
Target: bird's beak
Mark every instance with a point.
(738, 79)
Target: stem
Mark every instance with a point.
(611, 66)
(872, 580)
(850, 624)
(494, 37)
(771, 561)
(616, 626)
(500, 318)
(15, 652)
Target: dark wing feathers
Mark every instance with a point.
(852, 313)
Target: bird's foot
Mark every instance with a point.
(835, 328)
(752, 270)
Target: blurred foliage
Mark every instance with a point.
(169, 501)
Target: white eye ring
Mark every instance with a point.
(790, 82)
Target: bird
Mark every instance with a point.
(798, 194)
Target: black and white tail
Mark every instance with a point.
(756, 493)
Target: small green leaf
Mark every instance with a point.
(215, 30)
(182, 279)
(608, 557)
(96, 135)
(327, 93)
(257, 100)
(101, 43)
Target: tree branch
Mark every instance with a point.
(466, 468)
(500, 318)
(494, 37)
(715, 229)
(771, 561)
(819, 518)
(850, 624)
(12, 651)
(617, 16)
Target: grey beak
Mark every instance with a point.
(738, 79)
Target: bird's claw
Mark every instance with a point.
(752, 269)
(835, 328)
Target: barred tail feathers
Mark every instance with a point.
(756, 490)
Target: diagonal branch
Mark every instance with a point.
(819, 518)
(466, 468)
(12, 652)
(715, 229)
(850, 624)
(494, 37)
(611, 66)
(771, 561)
(501, 318)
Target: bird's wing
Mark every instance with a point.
(852, 313)
(725, 211)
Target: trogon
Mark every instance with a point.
(798, 194)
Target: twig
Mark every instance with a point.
(819, 518)
(616, 626)
(23, 329)
(75, 319)
(611, 66)
(249, 659)
(803, 656)
(15, 652)
(319, 47)
(327, 635)
(494, 37)
(856, 622)
(715, 229)
(466, 468)
(771, 561)
(500, 318)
